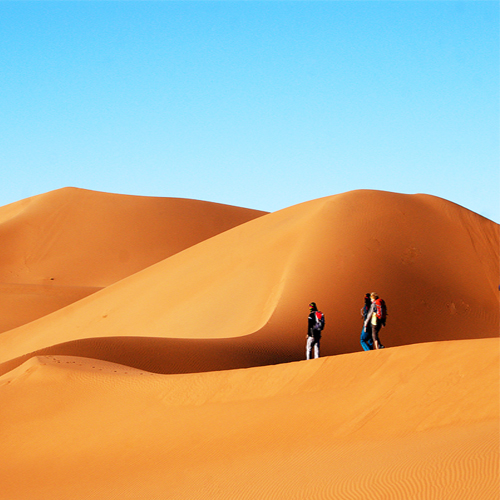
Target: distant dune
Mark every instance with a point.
(170, 363)
(61, 246)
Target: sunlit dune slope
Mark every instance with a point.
(22, 303)
(61, 246)
(240, 298)
(417, 421)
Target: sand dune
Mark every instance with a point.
(418, 421)
(69, 243)
(182, 378)
(240, 299)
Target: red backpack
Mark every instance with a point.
(381, 310)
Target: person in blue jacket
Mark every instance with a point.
(366, 333)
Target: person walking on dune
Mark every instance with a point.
(315, 325)
(366, 333)
(376, 318)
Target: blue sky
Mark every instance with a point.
(256, 104)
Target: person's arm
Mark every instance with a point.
(370, 313)
(309, 325)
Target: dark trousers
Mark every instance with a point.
(375, 329)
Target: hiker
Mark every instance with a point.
(375, 319)
(315, 324)
(366, 333)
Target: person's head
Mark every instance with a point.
(373, 296)
(312, 306)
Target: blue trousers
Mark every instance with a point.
(366, 339)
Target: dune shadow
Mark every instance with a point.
(170, 356)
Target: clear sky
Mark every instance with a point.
(257, 104)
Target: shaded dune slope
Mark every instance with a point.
(417, 421)
(61, 246)
(240, 299)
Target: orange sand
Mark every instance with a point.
(64, 245)
(230, 410)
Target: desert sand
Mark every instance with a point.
(154, 349)
(61, 246)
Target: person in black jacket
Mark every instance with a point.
(315, 325)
